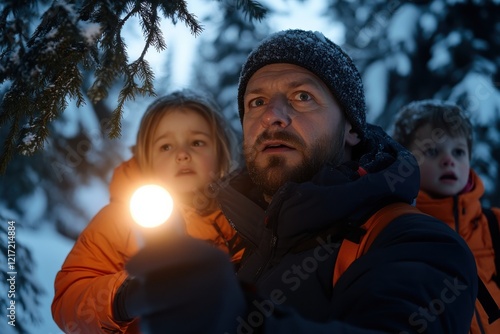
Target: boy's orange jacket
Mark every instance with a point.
(464, 214)
(85, 286)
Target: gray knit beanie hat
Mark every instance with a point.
(316, 53)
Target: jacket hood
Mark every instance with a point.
(127, 177)
(334, 193)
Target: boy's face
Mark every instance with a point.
(444, 161)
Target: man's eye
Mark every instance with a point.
(257, 102)
(303, 96)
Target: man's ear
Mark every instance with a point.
(351, 136)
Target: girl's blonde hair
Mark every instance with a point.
(184, 100)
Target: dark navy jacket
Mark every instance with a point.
(418, 276)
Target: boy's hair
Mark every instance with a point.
(184, 100)
(446, 116)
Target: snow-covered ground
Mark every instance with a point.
(49, 249)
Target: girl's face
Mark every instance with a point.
(184, 153)
(444, 161)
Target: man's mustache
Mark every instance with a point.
(284, 136)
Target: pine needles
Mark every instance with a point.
(43, 71)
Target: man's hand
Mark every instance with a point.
(185, 285)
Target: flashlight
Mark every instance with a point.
(151, 205)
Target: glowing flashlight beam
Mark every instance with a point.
(151, 205)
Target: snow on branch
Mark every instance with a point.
(41, 72)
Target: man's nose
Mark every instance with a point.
(277, 113)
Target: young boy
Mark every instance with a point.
(439, 134)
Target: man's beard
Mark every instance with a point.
(276, 172)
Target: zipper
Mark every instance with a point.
(274, 241)
(271, 218)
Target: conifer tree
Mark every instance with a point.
(42, 70)
(218, 65)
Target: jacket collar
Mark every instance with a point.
(466, 205)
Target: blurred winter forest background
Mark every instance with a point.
(62, 133)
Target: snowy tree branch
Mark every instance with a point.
(39, 74)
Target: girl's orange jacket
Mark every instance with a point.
(85, 286)
(464, 214)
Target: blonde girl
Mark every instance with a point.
(184, 144)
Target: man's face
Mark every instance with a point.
(292, 125)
